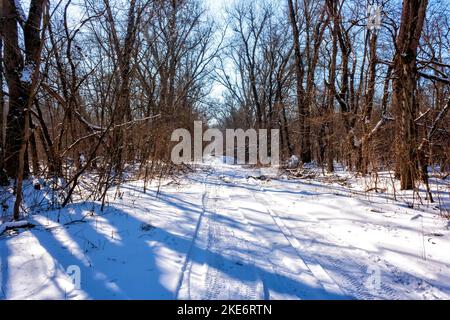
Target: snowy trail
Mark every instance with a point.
(342, 262)
(217, 267)
(313, 266)
(289, 277)
(309, 269)
(221, 234)
(244, 252)
(348, 270)
(354, 282)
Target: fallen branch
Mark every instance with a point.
(14, 225)
(300, 174)
(377, 190)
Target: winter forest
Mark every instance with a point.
(93, 205)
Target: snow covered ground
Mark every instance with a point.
(223, 234)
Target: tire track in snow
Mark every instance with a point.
(262, 257)
(295, 270)
(211, 270)
(248, 235)
(316, 269)
(337, 269)
(225, 265)
(187, 265)
(348, 272)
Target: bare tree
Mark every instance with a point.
(405, 88)
(3, 175)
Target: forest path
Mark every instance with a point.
(241, 250)
(229, 232)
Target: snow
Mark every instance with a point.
(219, 234)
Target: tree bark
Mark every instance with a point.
(303, 112)
(19, 72)
(14, 65)
(363, 149)
(404, 90)
(122, 112)
(3, 175)
(328, 125)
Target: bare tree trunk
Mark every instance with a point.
(18, 75)
(328, 125)
(3, 175)
(303, 114)
(344, 96)
(14, 65)
(33, 146)
(314, 37)
(281, 109)
(21, 78)
(404, 89)
(363, 149)
(122, 112)
(21, 166)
